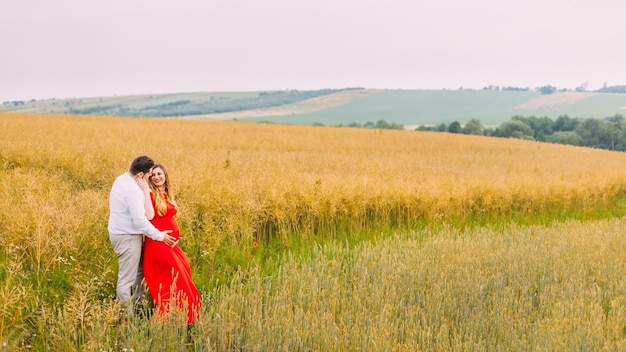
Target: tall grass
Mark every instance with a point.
(243, 188)
(506, 288)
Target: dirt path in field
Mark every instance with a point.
(302, 107)
(554, 101)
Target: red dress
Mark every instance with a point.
(167, 270)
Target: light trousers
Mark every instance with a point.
(129, 249)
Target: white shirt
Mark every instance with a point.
(127, 214)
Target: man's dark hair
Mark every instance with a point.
(141, 164)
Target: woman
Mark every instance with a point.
(166, 268)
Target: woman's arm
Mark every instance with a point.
(148, 205)
(147, 202)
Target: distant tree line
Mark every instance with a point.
(514, 89)
(15, 102)
(380, 124)
(607, 133)
(98, 110)
(549, 89)
(613, 89)
(543, 89)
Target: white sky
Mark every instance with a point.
(81, 48)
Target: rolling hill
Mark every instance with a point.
(341, 106)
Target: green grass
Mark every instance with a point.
(480, 288)
(599, 106)
(265, 255)
(410, 107)
(432, 107)
(486, 289)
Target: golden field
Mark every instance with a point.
(496, 286)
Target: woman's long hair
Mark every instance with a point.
(160, 205)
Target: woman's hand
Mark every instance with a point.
(142, 183)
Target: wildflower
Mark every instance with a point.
(13, 319)
(529, 210)
(255, 244)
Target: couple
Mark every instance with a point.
(140, 203)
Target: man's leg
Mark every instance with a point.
(139, 287)
(128, 249)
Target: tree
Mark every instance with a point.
(455, 127)
(474, 127)
(594, 133)
(542, 126)
(369, 124)
(521, 135)
(614, 126)
(583, 87)
(566, 137)
(389, 126)
(515, 128)
(565, 123)
(546, 89)
(382, 124)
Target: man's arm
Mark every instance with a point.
(136, 202)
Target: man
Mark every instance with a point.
(127, 223)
